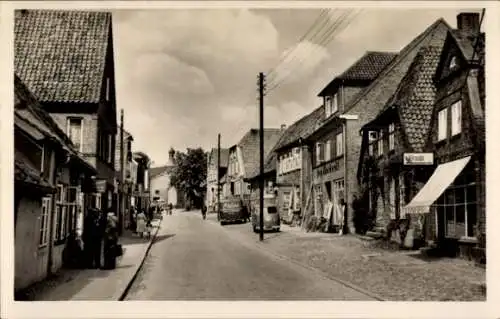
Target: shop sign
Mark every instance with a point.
(100, 186)
(418, 158)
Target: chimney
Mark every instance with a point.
(468, 22)
(283, 127)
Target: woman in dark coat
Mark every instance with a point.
(110, 242)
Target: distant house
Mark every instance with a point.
(141, 193)
(399, 131)
(243, 160)
(52, 183)
(162, 191)
(66, 60)
(453, 198)
(337, 141)
(212, 164)
(125, 190)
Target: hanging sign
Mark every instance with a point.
(418, 158)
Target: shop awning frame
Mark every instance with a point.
(441, 179)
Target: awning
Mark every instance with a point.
(442, 177)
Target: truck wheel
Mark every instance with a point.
(222, 223)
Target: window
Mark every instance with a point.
(391, 137)
(402, 194)
(61, 216)
(380, 144)
(442, 124)
(108, 89)
(74, 132)
(339, 144)
(338, 191)
(456, 118)
(327, 151)
(296, 202)
(110, 148)
(453, 63)
(319, 153)
(458, 205)
(328, 107)
(97, 200)
(44, 222)
(334, 104)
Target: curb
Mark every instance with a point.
(125, 291)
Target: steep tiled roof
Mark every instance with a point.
(301, 128)
(366, 68)
(224, 156)
(27, 108)
(155, 171)
(60, 55)
(249, 146)
(415, 95)
(26, 173)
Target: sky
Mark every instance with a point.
(185, 75)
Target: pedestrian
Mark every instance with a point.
(111, 242)
(92, 238)
(141, 224)
(204, 211)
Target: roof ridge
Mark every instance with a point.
(395, 62)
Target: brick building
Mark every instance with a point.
(329, 154)
(66, 59)
(51, 184)
(390, 171)
(212, 164)
(454, 196)
(125, 189)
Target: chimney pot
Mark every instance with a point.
(468, 22)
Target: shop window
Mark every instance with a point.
(459, 206)
(442, 124)
(456, 118)
(44, 222)
(380, 144)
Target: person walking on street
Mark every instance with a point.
(111, 242)
(141, 224)
(204, 211)
(92, 238)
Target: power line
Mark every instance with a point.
(327, 37)
(315, 23)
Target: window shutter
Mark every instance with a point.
(456, 118)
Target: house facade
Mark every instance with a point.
(141, 192)
(454, 196)
(123, 168)
(293, 173)
(394, 162)
(243, 161)
(213, 164)
(162, 191)
(74, 82)
(328, 141)
(52, 190)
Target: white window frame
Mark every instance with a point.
(328, 106)
(43, 239)
(68, 128)
(334, 105)
(391, 136)
(442, 124)
(456, 118)
(61, 212)
(339, 144)
(380, 144)
(327, 151)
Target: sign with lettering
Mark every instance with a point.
(418, 158)
(100, 186)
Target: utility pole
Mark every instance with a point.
(121, 202)
(261, 153)
(218, 177)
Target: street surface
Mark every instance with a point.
(196, 259)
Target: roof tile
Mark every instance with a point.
(60, 55)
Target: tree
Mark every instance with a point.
(190, 174)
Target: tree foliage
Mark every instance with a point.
(190, 174)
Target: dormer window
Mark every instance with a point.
(453, 63)
(334, 105)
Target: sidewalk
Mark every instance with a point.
(97, 284)
(391, 275)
